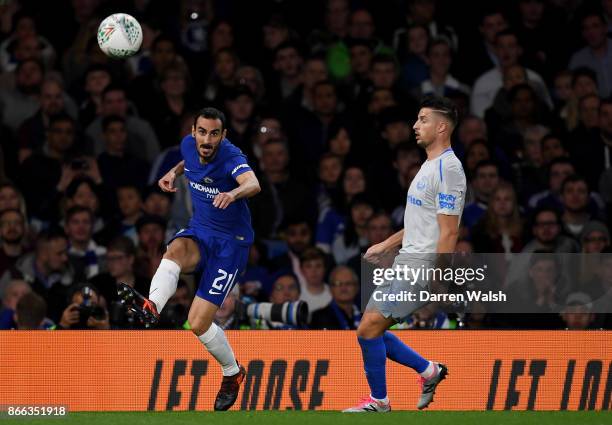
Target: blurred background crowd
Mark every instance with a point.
(321, 95)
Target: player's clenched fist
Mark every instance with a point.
(222, 200)
(166, 183)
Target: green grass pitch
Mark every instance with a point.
(322, 418)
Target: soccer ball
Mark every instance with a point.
(119, 35)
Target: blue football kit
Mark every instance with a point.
(223, 235)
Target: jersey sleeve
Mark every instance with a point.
(451, 188)
(237, 165)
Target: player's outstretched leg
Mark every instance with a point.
(212, 336)
(431, 373)
(374, 353)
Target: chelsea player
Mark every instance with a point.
(216, 242)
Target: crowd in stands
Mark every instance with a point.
(321, 96)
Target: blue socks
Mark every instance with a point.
(374, 358)
(399, 352)
(375, 352)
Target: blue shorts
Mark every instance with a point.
(221, 262)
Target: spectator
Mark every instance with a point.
(47, 270)
(593, 154)
(501, 227)
(118, 167)
(86, 257)
(223, 77)
(147, 85)
(440, 81)
(25, 43)
(15, 289)
(282, 194)
(22, 102)
(129, 200)
(173, 102)
(353, 239)
(30, 312)
(600, 286)
(252, 78)
(85, 310)
(97, 77)
(547, 233)
(379, 228)
(298, 237)
(485, 181)
(331, 221)
(285, 288)
(45, 175)
(240, 104)
(482, 53)
(541, 292)
(53, 101)
(486, 86)
(597, 54)
(313, 72)
(142, 141)
(120, 258)
(314, 290)
(158, 202)
(341, 313)
(552, 147)
(11, 198)
(330, 170)
(151, 231)
(575, 199)
(12, 238)
(595, 237)
(577, 313)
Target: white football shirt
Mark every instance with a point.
(438, 188)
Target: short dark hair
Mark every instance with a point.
(506, 32)
(31, 311)
(485, 163)
(443, 106)
(311, 254)
(107, 121)
(78, 181)
(545, 209)
(77, 209)
(583, 71)
(113, 87)
(61, 117)
(211, 114)
(574, 178)
(122, 244)
(49, 235)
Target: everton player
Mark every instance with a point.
(216, 242)
(431, 226)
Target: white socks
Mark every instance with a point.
(215, 342)
(163, 285)
(430, 372)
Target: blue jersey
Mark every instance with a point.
(208, 180)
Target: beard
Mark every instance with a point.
(209, 153)
(12, 239)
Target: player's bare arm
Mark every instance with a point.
(374, 253)
(248, 186)
(166, 183)
(449, 232)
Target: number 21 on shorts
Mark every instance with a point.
(218, 287)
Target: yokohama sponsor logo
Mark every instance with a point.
(205, 189)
